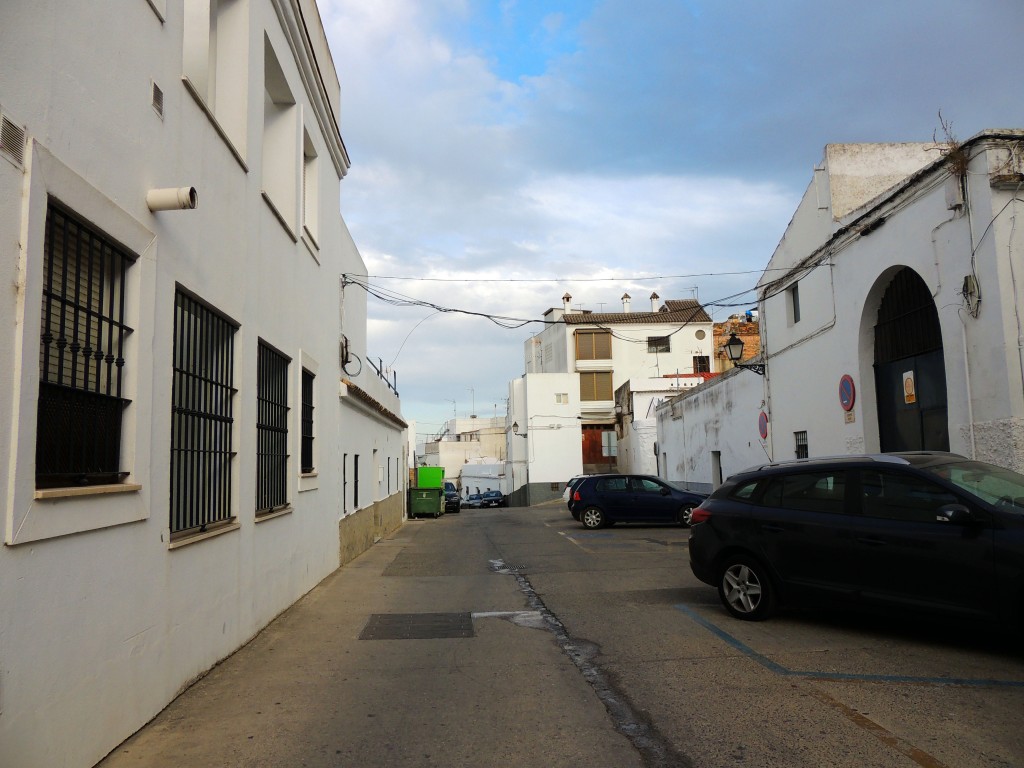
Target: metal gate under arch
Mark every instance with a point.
(910, 371)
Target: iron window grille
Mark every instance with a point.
(202, 399)
(659, 344)
(307, 422)
(800, 439)
(271, 429)
(81, 354)
(701, 364)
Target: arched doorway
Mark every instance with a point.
(910, 372)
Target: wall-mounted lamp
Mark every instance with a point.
(734, 351)
(515, 429)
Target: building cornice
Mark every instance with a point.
(369, 403)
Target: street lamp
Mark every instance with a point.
(734, 351)
(515, 429)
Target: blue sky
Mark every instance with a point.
(605, 147)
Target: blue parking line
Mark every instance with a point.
(778, 669)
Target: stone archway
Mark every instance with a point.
(910, 370)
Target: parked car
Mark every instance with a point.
(914, 531)
(570, 485)
(493, 499)
(473, 501)
(600, 500)
(452, 500)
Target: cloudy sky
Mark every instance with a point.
(505, 152)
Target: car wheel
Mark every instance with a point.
(745, 589)
(685, 515)
(592, 518)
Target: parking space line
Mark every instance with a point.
(778, 669)
(888, 738)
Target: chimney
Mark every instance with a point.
(654, 302)
(625, 302)
(566, 302)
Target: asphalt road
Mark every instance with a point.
(515, 637)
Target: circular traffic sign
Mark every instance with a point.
(762, 425)
(847, 392)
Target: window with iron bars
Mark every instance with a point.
(701, 364)
(271, 429)
(307, 422)
(81, 355)
(202, 398)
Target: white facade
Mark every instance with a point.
(465, 440)
(112, 601)
(883, 226)
(565, 403)
(636, 427)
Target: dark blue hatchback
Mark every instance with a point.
(916, 531)
(600, 500)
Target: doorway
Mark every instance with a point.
(910, 371)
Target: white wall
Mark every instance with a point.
(104, 619)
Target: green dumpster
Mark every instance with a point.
(426, 502)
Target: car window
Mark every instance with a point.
(611, 484)
(996, 485)
(644, 485)
(745, 490)
(823, 491)
(899, 496)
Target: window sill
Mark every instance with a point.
(279, 216)
(195, 538)
(281, 512)
(194, 92)
(86, 490)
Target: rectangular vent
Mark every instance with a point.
(12, 140)
(158, 100)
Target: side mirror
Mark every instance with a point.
(956, 514)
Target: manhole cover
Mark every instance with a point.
(417, 626)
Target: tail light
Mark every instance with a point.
(575, 495)
(699, 515)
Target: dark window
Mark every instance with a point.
(800, 440)
(607, 484)
(701, 364)
(794, 302)
(355, 481)
(307, 421)
(593, 345)
(271, 429)
(896, 496)
(659, 344)
(644, 485)
(596, 386)
(745, 491)
(81, 355)
(201, 416)
(808, 491)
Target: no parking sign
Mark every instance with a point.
(847, 392)
(762, 425)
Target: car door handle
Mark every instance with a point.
(871, 541)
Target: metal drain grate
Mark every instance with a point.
(417, 626)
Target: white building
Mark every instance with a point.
(466, 440)
(890, 317)
(564, 405)
(187, 451)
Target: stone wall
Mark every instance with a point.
(361, 530)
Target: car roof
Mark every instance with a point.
(904, 458)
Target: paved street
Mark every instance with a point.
(515, 637)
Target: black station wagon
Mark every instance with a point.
(930, 532)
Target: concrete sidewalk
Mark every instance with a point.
(315, 689)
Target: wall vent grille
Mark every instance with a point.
(158, 100)
(12, 140)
